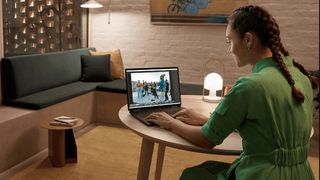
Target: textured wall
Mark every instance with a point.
(189, 47)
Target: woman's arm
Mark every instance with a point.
(191, 133)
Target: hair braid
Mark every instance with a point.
(276, 47)
(277, 57)
(314, 80)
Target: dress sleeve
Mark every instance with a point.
(230, 113)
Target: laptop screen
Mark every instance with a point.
(153, 87)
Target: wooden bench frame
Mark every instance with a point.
(22, 138)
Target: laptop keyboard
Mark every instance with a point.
(142, 114)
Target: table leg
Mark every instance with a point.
(145, 159)
(62, 147)
(56, 147)
(160, 156)
(70, 147)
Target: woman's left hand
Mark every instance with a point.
(162, 119)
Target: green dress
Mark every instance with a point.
(275, 129)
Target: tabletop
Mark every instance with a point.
(232, 145)
(46, 124)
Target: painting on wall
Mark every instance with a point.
(202, 12)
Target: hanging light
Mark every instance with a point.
(91, 4)
(94, 4)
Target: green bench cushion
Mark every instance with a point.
(27, 74)
(55, 95)
(117, 86)
(52, 96)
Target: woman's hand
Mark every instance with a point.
(191, 133)
(162, 119)
(191, 117)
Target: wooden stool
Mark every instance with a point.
(61, 143)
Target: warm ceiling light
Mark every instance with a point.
(91, 4)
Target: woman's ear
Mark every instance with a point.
(248, 37)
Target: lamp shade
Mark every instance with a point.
(213, 81)
(91, 4)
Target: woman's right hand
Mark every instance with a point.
(191, 117)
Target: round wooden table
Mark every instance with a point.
(61, 143)
(232, 145)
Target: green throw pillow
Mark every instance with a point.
(95, 68)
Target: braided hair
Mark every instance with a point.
(256, 19)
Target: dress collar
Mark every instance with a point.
(268, 62)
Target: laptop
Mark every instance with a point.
(153, 90)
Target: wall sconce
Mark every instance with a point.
(213, 82)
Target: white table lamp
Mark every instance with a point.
(213, 82)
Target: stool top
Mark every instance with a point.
(46, 124)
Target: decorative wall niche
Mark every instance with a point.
(39, 26)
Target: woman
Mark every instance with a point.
(271, 108)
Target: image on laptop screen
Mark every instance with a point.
(152, 87)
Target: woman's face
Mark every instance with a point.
(237, 46)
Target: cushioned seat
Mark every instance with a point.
(40, 80)
(52, 96)
(28, 74)
(118, 86)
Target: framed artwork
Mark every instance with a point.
(202, 12)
